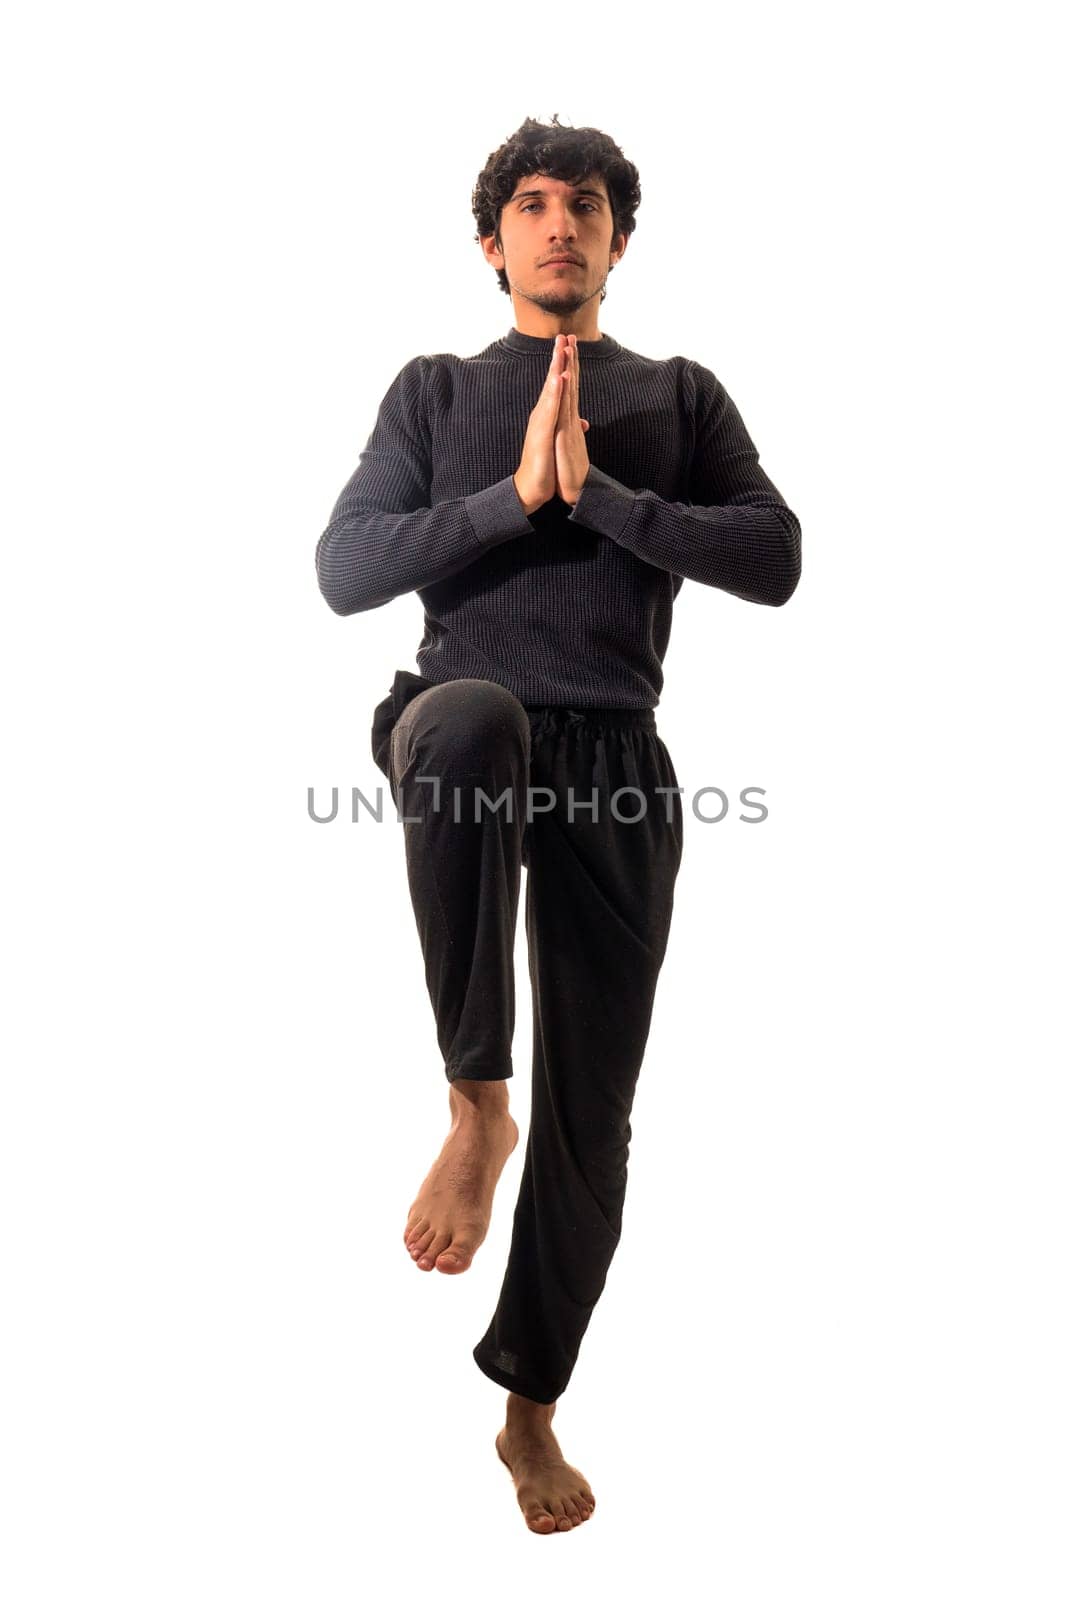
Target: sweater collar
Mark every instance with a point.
(527, 344)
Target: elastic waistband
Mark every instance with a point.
(592, 716)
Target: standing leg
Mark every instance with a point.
(599, 899)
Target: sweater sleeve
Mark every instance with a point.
(738, 534)
(384, 538)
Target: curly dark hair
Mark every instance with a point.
(558, 151)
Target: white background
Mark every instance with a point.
(828, 1359)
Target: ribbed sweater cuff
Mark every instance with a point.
(605, 504)
(496, 513)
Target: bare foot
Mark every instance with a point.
(553, 1496)
(450, 1216)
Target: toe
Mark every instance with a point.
(454, 1259)
(540, 1520)
(427, 1253)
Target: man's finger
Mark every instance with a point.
(553, 391)
(563, 414)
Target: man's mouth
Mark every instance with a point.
(562, 261)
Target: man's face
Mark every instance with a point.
(546, 217)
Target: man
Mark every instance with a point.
(546, 499)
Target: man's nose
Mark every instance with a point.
(562, 224)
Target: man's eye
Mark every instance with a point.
(529, 203)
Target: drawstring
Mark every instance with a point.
(630, 768)
(600, 767)
(559, 718)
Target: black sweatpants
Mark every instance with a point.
(599, 897)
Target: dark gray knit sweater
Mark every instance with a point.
(572, 605)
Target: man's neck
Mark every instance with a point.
(548, 327)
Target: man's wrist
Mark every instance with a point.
(528, 505)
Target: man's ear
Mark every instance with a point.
(490, 243)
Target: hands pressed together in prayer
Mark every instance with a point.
(554, 457)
